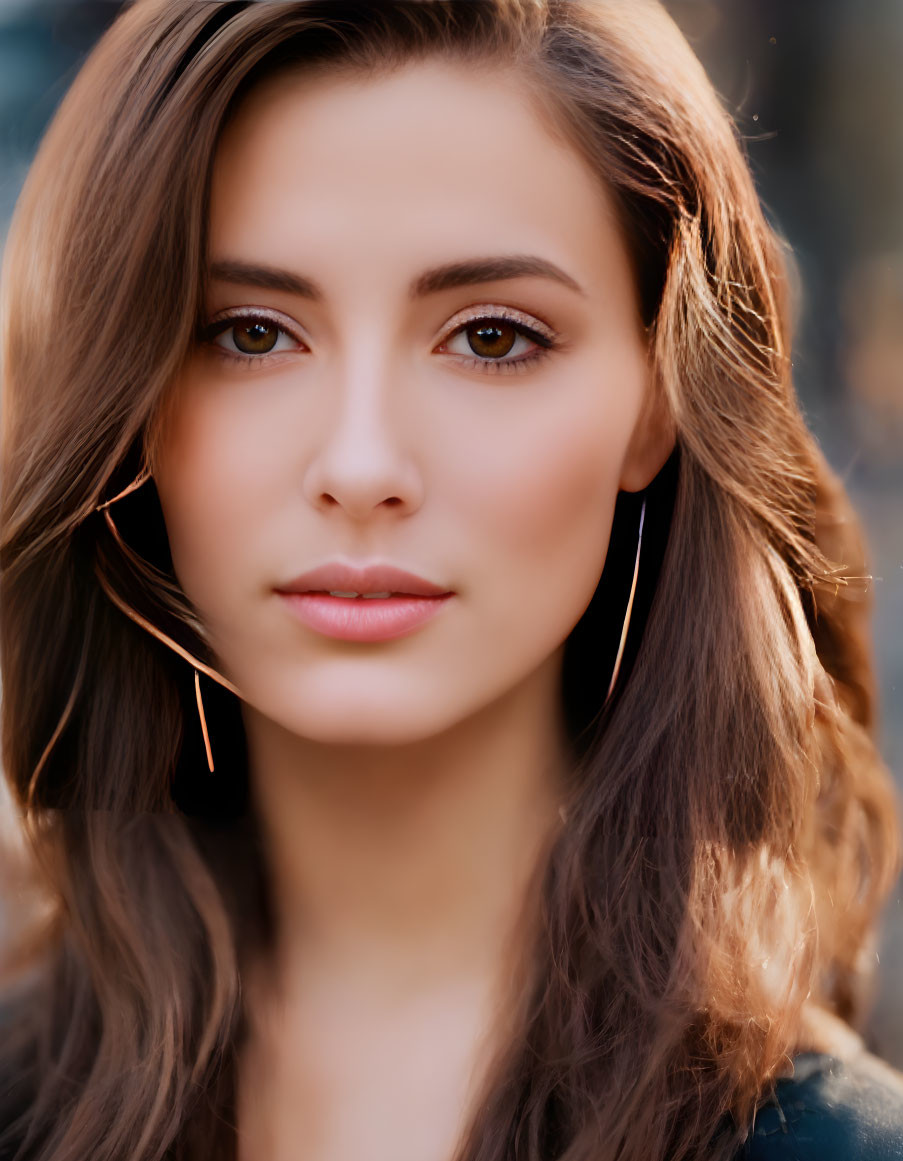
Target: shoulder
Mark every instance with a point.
(831, 1109)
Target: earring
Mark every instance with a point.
(636, 573)
(202, 716)
(199, 667)
(143, 476)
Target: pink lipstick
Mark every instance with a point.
(377, 602)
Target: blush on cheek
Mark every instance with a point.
(565, 477)
(212, 471)
(195, 499)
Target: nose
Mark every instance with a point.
(361, 461)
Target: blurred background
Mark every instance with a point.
(816, 88)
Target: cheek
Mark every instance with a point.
(563, 482)
(544, 499)
(212, 466)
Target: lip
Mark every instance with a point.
(363, 619)
(414, 601)
(341, 576)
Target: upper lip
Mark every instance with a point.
(338, 576)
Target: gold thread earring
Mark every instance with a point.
(562, 809)
(636, 573)
(203, 717)
(199, 667)
(143, 476)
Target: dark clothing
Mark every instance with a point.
(831, 1111)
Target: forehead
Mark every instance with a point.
(433, 160)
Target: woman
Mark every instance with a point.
(372, 816)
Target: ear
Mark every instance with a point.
(653, 439)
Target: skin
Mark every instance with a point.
(407, 789)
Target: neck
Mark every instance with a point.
(411, 864)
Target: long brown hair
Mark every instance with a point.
(731, 833)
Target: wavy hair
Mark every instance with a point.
(731, 832)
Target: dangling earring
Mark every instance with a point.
(202, 716)
(199, 667)
(636, 573)
(143, 476)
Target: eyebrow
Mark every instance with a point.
(432, 281)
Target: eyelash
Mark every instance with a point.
(546, 343)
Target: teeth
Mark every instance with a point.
(366, 596)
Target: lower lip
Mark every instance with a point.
(360, 619)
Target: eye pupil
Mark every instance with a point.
(255, 338)
(492, 340)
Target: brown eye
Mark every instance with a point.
(491, 339)
(496, 343)
(249, 337)
(255, 338)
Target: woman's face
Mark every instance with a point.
(346, 406)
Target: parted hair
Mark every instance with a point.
(731, 833)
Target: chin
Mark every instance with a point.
(359, 722)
